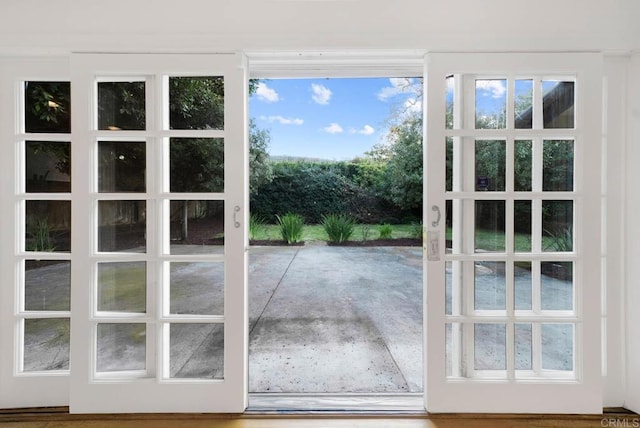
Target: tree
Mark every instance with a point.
(260, 171)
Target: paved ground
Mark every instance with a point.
(321, 319)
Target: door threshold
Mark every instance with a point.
(322, 403)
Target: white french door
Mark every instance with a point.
(35, 267)
(512, 213)
(158, 302)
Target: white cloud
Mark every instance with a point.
(412, 105)
(366, 130)
(333, 128)
(493, 88)
(266, 94)
(321, 94)
(283, 120)
(399, 85)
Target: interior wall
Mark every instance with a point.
(633, 237)
(613, 185)
(63, 26)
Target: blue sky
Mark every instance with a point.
(335, 119)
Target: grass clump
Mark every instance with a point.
(385, 231)
(256, 226)
(339, 227)
(291, 227)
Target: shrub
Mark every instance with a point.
(385, 231)
(291, 227)
(339, 227)
(256, 226)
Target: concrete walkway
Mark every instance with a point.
(335, 319)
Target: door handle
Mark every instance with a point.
(236, 210)
(436, 209)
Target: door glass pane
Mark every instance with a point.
(523, 346)
(48, 226)
(522, 283)
(47, 166)
(453, 345)
(121, 106)
(490, 165)
(522, 164)
(558, 104)
(196, 351)
(196, 164)
(47, 285)
(196, 227)
(197, 288)
(121, 347)
(557, 286)
(491, 104)
(557, 226)
(196, 102)
(490, 345)
(46, 344)
(490, 286)
(522, 226)
(557, 172)
(557, 347)
(523, 109)
(449, 164)
(450, 100)
(122, 226)
(121, 166)
(122, 287)
(489, 226)
(47, 107)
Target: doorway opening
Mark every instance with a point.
(335, 264)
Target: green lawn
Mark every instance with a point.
(487, 240)
(315, 232)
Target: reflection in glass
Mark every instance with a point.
(523, 109)
(557, 171)
(556, 288)
(121, 106)
(46, 344)
(522, 164)
(47, 107)
(48, 226)
(449, 99)
(122, 287)
(122, 226)
(489, 233)
(196, 288)
(523, 346)
(558, 102)
(453, 347)
(522, 226)
(491, 104)
(121, 347)
(490, 346)
(196, 164)
(196, 102)
(47, 167)
(449, 164)
(557, 347)
(557, 226)
(196, 351)
(490, 286)
(196, 226)
(121, 166)
(47, 285)
(490, 165)
(523, 286)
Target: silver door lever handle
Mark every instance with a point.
(437, 220)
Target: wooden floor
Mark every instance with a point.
(43, 418)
